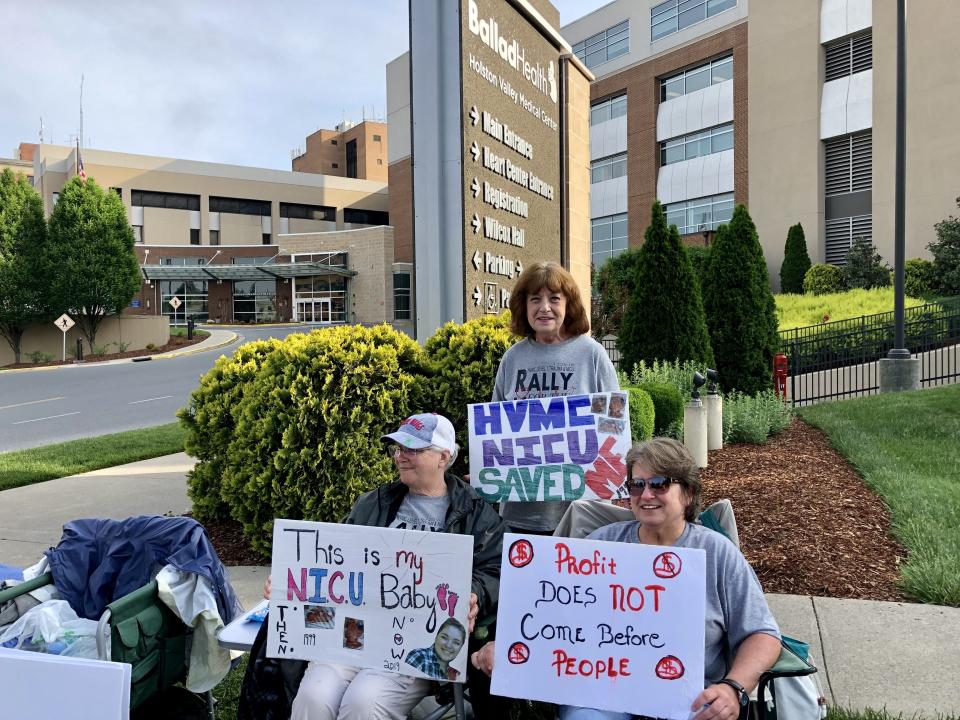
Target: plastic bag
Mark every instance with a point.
(52, 627)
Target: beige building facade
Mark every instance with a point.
(785, 107)
(240, 244)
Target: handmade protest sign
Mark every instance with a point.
(613, 626)
(560, 448)
(371, 597)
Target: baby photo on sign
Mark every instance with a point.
(618, 405)
(435, 661)
(318, 616)
(598, 404)
(353, 634)
(611, 426)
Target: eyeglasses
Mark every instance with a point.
(658, 484)
(396, 451)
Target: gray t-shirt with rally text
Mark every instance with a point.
(578, 366)
(735, 607)
(422, 512)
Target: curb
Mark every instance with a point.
(141, 358)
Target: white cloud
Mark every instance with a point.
(234, 81)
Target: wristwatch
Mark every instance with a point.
(742, 696)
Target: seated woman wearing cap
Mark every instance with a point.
(425, 497)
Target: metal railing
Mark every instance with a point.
(839, 359)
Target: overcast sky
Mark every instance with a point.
(233, 81)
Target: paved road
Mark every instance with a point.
(38, 408)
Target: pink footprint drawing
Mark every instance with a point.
(452, 598)
(442, 595)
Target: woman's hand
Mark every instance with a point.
(473, 612)
(267, 587)
(482, 659)
(721, 701)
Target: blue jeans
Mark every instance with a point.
(570, 712)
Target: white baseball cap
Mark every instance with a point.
(425, 430)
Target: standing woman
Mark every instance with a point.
(557, 356)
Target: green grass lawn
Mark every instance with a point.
(182, 332)
(24, 467)
(907, 448)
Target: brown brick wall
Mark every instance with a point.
(401, 209)
(321, 154)
(640, 82)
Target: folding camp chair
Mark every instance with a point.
(143, 632)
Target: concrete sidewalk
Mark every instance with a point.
(899, 656)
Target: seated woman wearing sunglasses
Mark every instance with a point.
(742, 639)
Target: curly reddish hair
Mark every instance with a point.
(555, 278)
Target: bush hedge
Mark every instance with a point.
(667, 407)
(946, 255)
(749, 419)
(463, 361)
(307, 423)
(864, 268)
(823, 278)
(919, 277)
(642, 414)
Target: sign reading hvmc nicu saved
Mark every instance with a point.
(511, 150)
(608, 625)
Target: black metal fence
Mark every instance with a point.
(839, 359)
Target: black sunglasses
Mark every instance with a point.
(657, 484)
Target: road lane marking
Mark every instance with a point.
(162, 397)
(31, 402)
(50, 417)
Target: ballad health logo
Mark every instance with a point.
(512, 53)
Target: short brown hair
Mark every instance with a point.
(555, 278)
(669, 457)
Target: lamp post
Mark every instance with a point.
(898, 371)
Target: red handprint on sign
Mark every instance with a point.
(608, 471)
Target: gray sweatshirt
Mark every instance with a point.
(578, 366)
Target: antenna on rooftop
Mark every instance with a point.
(81, 109)
(41, 129)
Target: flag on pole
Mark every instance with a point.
(80, 171)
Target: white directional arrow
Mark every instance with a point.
(477, 296)
(474, 115)
(475, 186)
(477, 260)
(475, 150)
(476, 223)
(519, 267)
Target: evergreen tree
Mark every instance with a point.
(796, 261)
(740, 307)
(664, 319)
(864, 268)
(93, 266)
(612, 287)
(23, 233)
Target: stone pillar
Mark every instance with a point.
(899, 374)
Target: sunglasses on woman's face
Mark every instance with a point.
(658, 484)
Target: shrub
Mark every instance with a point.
(796, 261)
(864, 267)
(122, 346)
(946, 255)
(98, 350)
(210, 419)
(678, 374)
(667, 408)
(306, 438)
(919, 278)
(753, 419)
(463, 364)
(795, 311)
(642, 414)
(38, 356)
(612, 287)
(822, 279)
(664, 319)
(150, 346)
(740, 307)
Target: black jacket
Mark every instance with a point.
(468, 514)
(270, 685)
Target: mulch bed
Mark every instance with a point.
(175, 343)
(807, 523)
